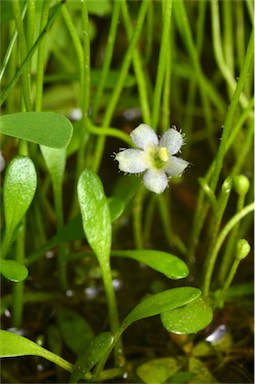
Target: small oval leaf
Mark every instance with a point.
(161, 302)
(19, 189)
(13, 270)
(45, 128)
(171, 266)
(95, 212)
(191, 318)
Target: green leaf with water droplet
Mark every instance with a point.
(95, 212)
(19, 189)
(191, 318)
(13, 270)
(161, 302)
(166, 263)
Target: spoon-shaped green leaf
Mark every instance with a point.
(161, 302)
(15, 345)
(155, 305)
(96, 220)
(19, 189)
(96, 216)
(191, 318)
(45, 128)
(166, 263)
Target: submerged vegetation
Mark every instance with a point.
(145, 276)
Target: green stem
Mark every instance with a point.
(241, 184)
(204, 87)
(18, 289)
(40, 58)
(137, 218)
(209, 193)
(218, 214)
(231, 111)
(149, 33)
(246, 150)
(76, 41)
(215, 169)
(246, 114)
(225, 71)
(30, 54)
(227, 40)
(85, 90)
(30, 24)
(242, 250)
(107, 58)
(231, 223)
(58, 200)
(23, 52)
(166, 106)
(10, 47)
(139, 69)
(113, 312)
(162, 62)
(6, 243)
(120, 82)
(46, 354)
(250, 9)
(148, 218)
(112, 132)
(165, 214)
(192, 87)
(240, 33)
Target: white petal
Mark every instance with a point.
(175, 166)
(131, 161)
(172, 140)
(155, 181)
(143, 136)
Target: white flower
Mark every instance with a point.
(154, 157)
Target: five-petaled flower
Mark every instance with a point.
(153, 156)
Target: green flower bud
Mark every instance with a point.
(241, 184)
(243, 248)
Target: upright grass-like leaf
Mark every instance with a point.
(96, 219)
(30, 53)
(119, 84)
(19, 189)
(55, 159)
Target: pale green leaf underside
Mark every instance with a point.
(45, 128)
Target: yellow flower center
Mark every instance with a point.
(157, 157)
(163, 154)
